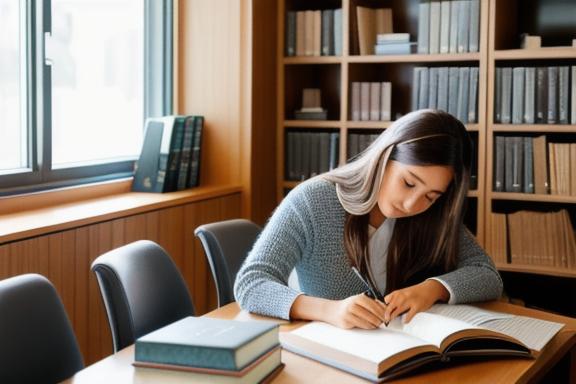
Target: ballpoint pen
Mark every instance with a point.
(372, 293)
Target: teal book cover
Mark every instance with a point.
(208, 343)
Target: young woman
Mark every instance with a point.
(395, 214)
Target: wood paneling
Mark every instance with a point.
(65, 258)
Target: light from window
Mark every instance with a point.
(13, 148)
(96, 51)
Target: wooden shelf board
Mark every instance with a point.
(537, 269)
(531, 197)
(541, 53)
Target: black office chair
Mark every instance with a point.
(37, 342)
(226, 244)
(142, 290)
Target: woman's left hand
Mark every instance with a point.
(414, 299)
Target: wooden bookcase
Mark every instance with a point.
(334, 75)
(507, 20)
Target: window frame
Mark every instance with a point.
(158, 100)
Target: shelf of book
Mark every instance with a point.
(536, 105)
(335, 62)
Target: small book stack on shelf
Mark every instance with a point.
(534, 238)
(310, 153)
(314, 32)
(311, 106)
(213, 350)
(528, 164)
(371, 101)
(535, 95)
(448, 26)
(171, 153)
(394, 44)
(434, 336)
(450, 89)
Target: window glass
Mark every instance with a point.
(96, 51)
(13, 153)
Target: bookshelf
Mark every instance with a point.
(509, 19)
(335, 74)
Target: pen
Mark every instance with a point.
(371, 292)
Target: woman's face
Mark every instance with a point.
(408, 190)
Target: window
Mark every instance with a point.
(77, 80)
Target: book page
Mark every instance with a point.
(534, 333)
(372, 345)
(430, 327)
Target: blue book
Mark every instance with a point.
(203, 342)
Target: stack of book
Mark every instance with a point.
(448, 26)
(450, 89)
(170, 156)
(213, 350)
(310, 153)
(534, 165)
(371, 101)
(535, 95)
(394, 44)
(314, 32)
(534, 238)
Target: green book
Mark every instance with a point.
(203, 342)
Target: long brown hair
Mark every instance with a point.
(423, 245)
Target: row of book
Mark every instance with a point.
(450, 89)
(534, 238)
(314, 32)
(448, 26)
(170, 156)
(358, 142)
(535, 95)
(534, 165)
(310, 153)
(371, 101)
(213, 350)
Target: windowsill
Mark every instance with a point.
(41, 213)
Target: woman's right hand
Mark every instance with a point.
(358, 311)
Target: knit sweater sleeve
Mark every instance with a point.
(476, 278)
(261, 284)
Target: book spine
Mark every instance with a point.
(442, 98)
(506, 114)
(355, 101)
(463, 25)
(552, 95)
(541, 94)
(474, 34)
(530, 95)
(434, 34)
(186, 152)
(290, 38)
(499, 163)
(445, 26)
(433, 88)
(573, 96)
(463, 93)
(453, 86)
(386, 101)
(424, 26)
(518, 94)
(364, 101)
(328, 32)
(375, 101)
(498, 95)
(528, 166)
(194, 179)
(338, 32)
(473, 98)
(453, 41)
(563, 93)
(424, 85)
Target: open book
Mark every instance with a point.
(442, 332)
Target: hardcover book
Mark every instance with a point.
(439, 334)
(202, 342)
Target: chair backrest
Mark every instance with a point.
(142, 290)
(226, 244)
(37, 342)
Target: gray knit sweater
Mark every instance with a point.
(306, 232)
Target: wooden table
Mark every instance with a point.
(118, 368)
